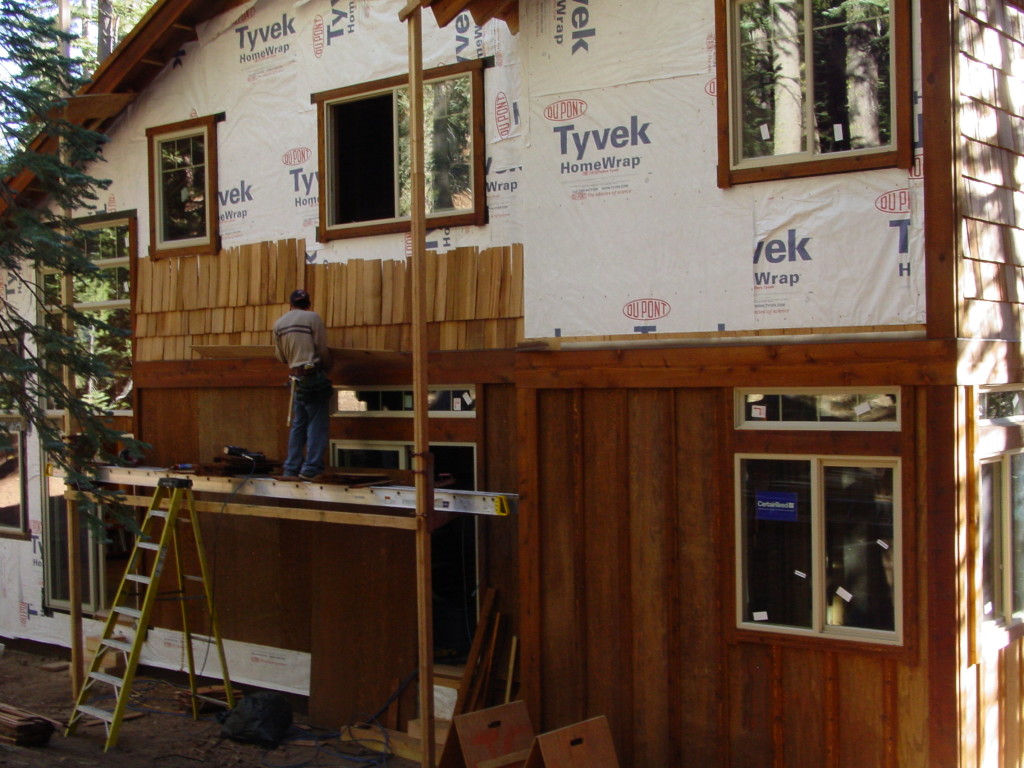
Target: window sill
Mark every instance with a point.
(844, 644)
(867, 162)
(473, 218)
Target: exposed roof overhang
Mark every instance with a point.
(481, 10)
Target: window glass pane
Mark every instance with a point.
(447, 150)
(113, 347)
(56, 560)
(183, 188)
(1001, 405)
(11, 378)
(1017, 532)
(799, 407)
(105, 243)
(851, 74)
(990, 506)
(51, 289)
(857, 407)
(772, 89)
(107, 284)
(367, 458)
(776, 539)
(12, 488)
(859, 545)
(449, 159)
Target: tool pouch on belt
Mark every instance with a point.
(313, 386)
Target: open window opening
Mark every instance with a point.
(365, 172)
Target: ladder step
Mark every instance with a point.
(118, 645)
(100, 714)
(151, 539)
(103, 677)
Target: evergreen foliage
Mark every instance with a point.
(38, 237)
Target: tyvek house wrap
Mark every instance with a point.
(630, 236)
(627, 232)
(259, 65)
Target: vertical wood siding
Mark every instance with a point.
(625, 552)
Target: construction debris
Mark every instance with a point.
(23, 728)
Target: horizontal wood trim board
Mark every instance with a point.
(293, 513)
(909, 362)
(447, 367)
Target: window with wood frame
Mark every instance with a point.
(105, 293)
(13, 499)
(818, 546)
(810, 87)
(183, 211)
(365, 165)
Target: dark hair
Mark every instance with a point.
(300, 299)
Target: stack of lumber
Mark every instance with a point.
(23, 728)
(233, 298)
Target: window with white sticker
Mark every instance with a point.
(390, 401)
(813, 87)
(818, 546)
(854, 408)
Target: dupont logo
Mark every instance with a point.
(111, 203)
(647, 309)
(711, 88)
(502, 115)
(894, 201)
(245, 16)
(296, 156)
(917, 170)
(318, 36)
(566, 109)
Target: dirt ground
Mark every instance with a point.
(161, 735)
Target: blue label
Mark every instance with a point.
(775, 505)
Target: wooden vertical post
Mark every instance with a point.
(421, 439)
(70, 425)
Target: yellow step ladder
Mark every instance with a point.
(158, 535)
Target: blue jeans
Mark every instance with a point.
(308, 438)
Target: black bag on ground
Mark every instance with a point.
(260, 718)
